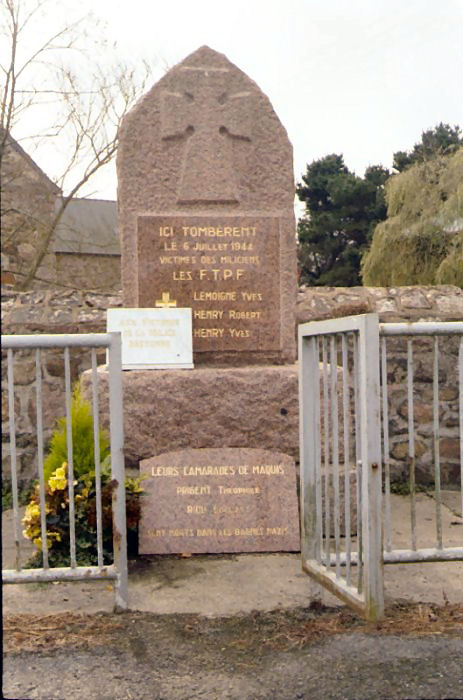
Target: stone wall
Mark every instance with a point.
(399, 304)
(44, 312)
(54, 311)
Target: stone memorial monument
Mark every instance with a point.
(206, 196)
(206, 206)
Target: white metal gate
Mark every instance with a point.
(342, 484)
(357, 339)
(118, 570)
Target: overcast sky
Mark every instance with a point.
(359, 77)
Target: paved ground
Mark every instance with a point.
(216, 585)
(240, 626)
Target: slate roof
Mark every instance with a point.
(88, 226)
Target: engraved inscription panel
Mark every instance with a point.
(219, 500)
(227, 269)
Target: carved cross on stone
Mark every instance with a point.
(209, 117)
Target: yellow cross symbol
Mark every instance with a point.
(166, 301)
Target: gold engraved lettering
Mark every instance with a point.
(193, 490)
(194, 509)
(238, 490)
(179, 532)
(239, 333)
(206, 532)
(226, 532)
(251, 296)
(175, 260)
(217, 275)
(268, 469)
(156, 533)
(208, 313)
(209, 247)
(164, 471)
(170, 245)
(209, 471)
(208, 332)
(240, 260)
(230, 510)
(248, 531)
(214, 296)
(276, 530)
(218, 232)
(241, 245)
(244, 315)
(179, 275)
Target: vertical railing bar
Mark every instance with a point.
(369, 353)
(436, 431)
(326, 440)
(346, 428)
(14, 458)
(335, 446)
(118, 471)
(68, 398)
(40, 460)
(411, 441)
(96, 443)
(358, 465)
(460, 391)
(318, 456)
(308, 391)
(387, 465)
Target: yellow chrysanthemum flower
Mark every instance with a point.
(32, 512)
(58, 481)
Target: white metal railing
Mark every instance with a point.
(346, 503)
(118, 570)
(438, 333)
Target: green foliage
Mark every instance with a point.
(421, 242)
(57, 518)
(24, 495)
(341, 211)
(57, 501)
(450, 271)
(82, 439)
(441, 140)
(403, 488)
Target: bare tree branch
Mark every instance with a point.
(86, 107)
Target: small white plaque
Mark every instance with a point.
(154, 338)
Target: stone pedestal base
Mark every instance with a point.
(166, 410)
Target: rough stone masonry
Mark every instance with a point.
(206, 197)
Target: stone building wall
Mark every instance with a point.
(92, 272)
(52, 311)
(27, 204)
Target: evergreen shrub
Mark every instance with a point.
(57, 495)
